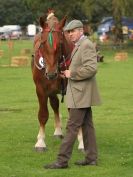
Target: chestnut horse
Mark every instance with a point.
(52, 50)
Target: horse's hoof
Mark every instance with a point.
(40, 149)
(59, 136)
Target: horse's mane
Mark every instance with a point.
(51, 19)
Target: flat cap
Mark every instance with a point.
(73, 24)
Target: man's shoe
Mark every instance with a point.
(85, 162)
(56, 165)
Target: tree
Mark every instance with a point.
(14, 12)
(119, 9)
(24, 12)
(92, 10)
(117, 12)
(71, 8)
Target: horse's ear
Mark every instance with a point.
(62, 22)
(42, 22)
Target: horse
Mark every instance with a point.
(52, 50)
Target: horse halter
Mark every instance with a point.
(53, 44)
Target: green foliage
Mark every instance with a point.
(91, 8)
(15, 12)
(19, 125)
(25, 12)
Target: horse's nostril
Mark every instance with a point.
(51, 76)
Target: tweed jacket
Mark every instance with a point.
(82, 88)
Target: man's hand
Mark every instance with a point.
(66, 73)
(62, 75)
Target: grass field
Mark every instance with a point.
(19, 125)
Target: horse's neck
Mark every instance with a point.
(68, 45)
(37, 41)
(67, 50)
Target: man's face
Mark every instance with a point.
(75, 34)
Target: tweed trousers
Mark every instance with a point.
(81, 117)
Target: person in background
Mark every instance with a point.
(82, 93)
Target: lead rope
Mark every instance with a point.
(63, 81)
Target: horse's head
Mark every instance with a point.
(50, 47)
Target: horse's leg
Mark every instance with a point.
(80, 140)
(54, 102)
(42, 117)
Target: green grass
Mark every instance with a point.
(19, 125)
(15, 50)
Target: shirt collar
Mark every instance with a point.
(81, 37)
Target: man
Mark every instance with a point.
(82, 93)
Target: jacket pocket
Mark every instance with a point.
(78, 87)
